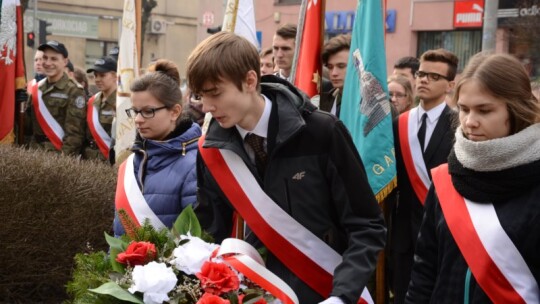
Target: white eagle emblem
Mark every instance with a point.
(8, 31)
(373, 101)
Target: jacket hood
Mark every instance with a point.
(291, 105)
(181, 144)
(271, 84)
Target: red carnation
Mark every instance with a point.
(209, 298)
(137, 253)
(217, 278)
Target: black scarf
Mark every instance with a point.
(493, 186)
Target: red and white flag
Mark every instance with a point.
(306, 72)
(12, 76)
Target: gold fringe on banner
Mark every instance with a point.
(381, 195)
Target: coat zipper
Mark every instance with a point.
(185, 144)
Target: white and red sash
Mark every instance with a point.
(30, 85)
(130, 198)
(245, 259)
(494, 260)
(103, 140)
(411, 152)
(52, 129)
(307, 256)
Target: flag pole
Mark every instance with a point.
(138, 33)
(298, 40)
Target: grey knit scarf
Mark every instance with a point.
(497, 169)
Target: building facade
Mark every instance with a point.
(414, 26)
(90, 30)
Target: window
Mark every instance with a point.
(96, 49)
(462, 43)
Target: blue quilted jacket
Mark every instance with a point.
(166, 173)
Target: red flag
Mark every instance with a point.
(307, 67)
(12, 75)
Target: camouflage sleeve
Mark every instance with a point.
(74, 126)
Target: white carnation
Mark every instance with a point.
(190, 257)
(154, 280)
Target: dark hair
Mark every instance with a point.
(335, 45)
(80, 77)
(504, 77)
(266, 52)
(442, 55)
(223, 55)
(70, 66)
(162, 81)
(287, 31)
(408, 62)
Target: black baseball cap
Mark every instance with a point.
(103, 65)
(56, 46)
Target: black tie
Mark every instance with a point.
(257, 144)
(422, 132)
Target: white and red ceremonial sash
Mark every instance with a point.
(103, 140)
(52, 129)
(130, 198)
(494, 260)
(245, 259)
(30, 85)
(307, 256)
(412, 155)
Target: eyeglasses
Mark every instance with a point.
(146, 113)
(430, 76)
(397, 95)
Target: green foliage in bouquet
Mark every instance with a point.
(98, 277)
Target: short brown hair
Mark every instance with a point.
(287, 31)
(408, 62)
(267, 51)
(223, 55)
(442, 55)
(162, 81)
(335, 45)
(503, 76)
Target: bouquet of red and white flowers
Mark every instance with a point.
(177, 266)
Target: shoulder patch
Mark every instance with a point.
(79, 102)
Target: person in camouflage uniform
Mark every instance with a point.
(104, 102)
(64, 100)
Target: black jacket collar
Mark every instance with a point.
(288, 107)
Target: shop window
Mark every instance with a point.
(462, 43)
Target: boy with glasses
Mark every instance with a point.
(423, 139)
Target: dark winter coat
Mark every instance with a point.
(332, 199)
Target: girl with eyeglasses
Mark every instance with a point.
(480, 234)
(159, 179)
(400, 93)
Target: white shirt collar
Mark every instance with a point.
(261, 129)
(283, 76)
(433, 114)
